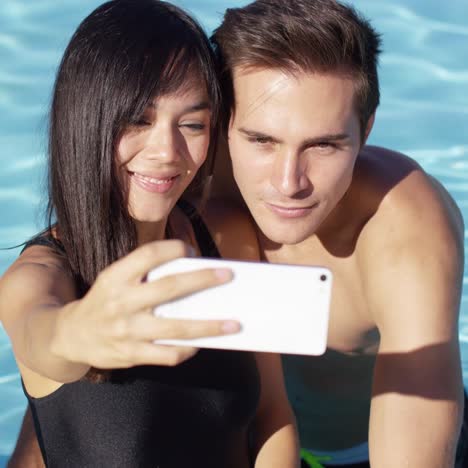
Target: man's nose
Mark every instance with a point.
(288, 176)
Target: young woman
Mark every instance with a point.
(132, 131)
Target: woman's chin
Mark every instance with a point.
(151, 213)
(148, 219)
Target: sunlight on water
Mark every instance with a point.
(424, 113)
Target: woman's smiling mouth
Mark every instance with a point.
(154, 184)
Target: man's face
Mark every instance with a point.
(293, 142)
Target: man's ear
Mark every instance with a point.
(369, 125)
(230, 123)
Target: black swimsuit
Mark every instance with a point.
(194, 415)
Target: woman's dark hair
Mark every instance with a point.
(122, 56)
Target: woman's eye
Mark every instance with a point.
(260, 140)
(141, 123)
(198, 127)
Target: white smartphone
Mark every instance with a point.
(281, 308)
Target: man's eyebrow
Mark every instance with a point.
(256, 134)
(327, 137)
(331, 137)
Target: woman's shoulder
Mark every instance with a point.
(47, 238)
(43, 251)
(40, 268)
(232, 229)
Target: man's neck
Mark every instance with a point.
(288, 253)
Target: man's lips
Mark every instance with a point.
(155, 184)
(290, 211)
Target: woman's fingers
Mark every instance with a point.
(151, 294)
(133, 340)
(161, 355)
(147, 327)
(118, 309)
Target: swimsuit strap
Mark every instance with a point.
(44, 239)
(202, 234)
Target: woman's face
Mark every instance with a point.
(159, 155)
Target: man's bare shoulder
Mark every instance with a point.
(410, 255)
(232, 229)
(410, 251)
(411, 208)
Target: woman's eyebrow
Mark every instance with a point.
(203, 105)
(199, 106)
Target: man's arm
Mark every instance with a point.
(413, 272)
(275, 438)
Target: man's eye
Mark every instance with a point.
(325, 145)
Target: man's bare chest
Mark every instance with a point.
(352, 328)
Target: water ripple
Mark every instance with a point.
(9, 378)
(12, 235)
(22, 79)
(11, 413)
(426, 24)
(456, 151)
(9, 42)
(426, 68)
(26, 163)
(4, 346)
(393, 105)
(19, 193)
(421, 24)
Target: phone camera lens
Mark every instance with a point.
(323, 278)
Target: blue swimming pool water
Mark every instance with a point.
(424, 113)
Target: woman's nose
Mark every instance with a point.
(163, 143)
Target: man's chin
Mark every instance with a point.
(282, 236)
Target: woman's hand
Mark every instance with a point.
(113, 325)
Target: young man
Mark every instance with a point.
(300, 79)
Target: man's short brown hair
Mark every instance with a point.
(317, 36)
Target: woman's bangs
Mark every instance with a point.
(181, 72)
(166, 72)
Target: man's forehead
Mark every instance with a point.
(250, 73)
(264, 80)
(255, 87)
(274, 102)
